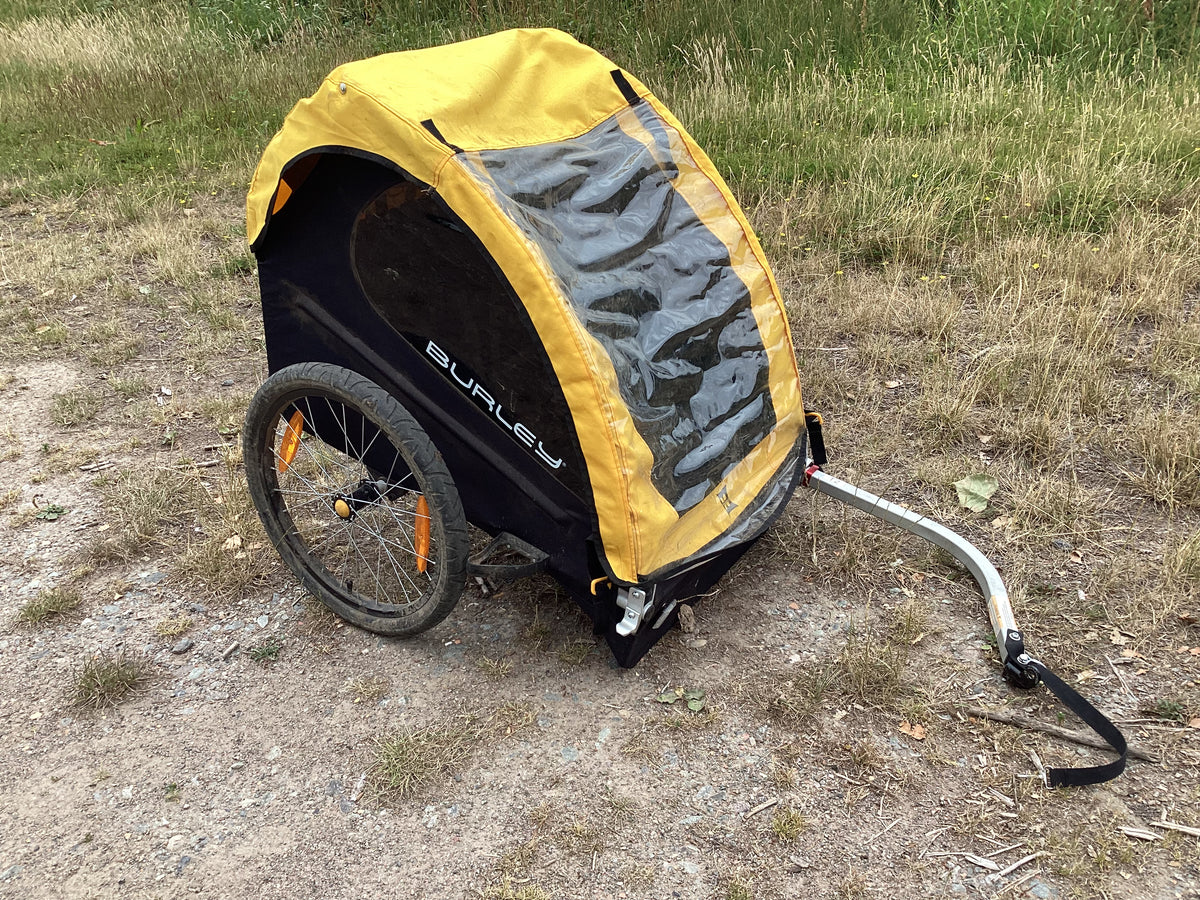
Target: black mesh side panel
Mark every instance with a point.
(653, 285)
(424, 274)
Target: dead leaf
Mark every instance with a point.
(891, 385)
(984, 438)
(1117, 638)
(1076, 556)
(974, 491)
(914, 731)
(1187, 618)
(232, 543)
(1194, 723)
(1130, 653)
(1086, 675)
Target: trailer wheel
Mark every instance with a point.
(356, 499)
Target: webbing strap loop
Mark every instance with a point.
(1095, 720)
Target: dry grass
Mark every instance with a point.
(48, 605)
(408, 761)
(107, 678)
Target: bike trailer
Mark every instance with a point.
(502, 285)
(523, 248)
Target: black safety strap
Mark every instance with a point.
(816, 448)
(625, 87)
(1095, 720)
(433, 129)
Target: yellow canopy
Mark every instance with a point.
(448, 116)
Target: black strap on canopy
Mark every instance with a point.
(625, 87)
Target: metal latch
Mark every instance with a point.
(633, 601)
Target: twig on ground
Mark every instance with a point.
(1003, 873)
(1077, 737)
(1141, 834)
(767, 804)
(1175, 826)
(880, 834)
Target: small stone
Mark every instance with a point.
(262, 621)
(183, 646)
(176, 843)
(570, 754)
(687, 619)
(274, 753)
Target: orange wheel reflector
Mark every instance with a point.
(422, 534)
(291, 441)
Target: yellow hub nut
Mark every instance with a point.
(342, 508)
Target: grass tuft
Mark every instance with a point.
(106, 678)
(52, 603)
(788, 825)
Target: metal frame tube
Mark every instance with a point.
(985, 574)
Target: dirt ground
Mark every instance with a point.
(831, 758)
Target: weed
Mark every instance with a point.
(141, 504)
(409, 760)
(506, 890)
(129, 388)
(1169, 710)
(52, 603)
(573, 653)
(106, 678)
(173, 793)
(795, 700)
(788, 825)
(738, 890)
(494, 669)
(172, 627)
(870, 669)
(267, 652)
(369, 688)
(76, 407)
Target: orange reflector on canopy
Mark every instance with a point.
(291, 441)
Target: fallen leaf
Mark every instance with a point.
(1194, 723)
(913, 731)
(232, 543)
(1130, 653)
(1076, 556)
(839, 715)
(974, 491)
(1086, 675)
(984, 438)
(892, 384)
(1117, 638)
(1187, 618)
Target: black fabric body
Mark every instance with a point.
(364, 268)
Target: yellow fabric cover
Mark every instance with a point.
(519, 88)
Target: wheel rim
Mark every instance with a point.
(352, 506)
